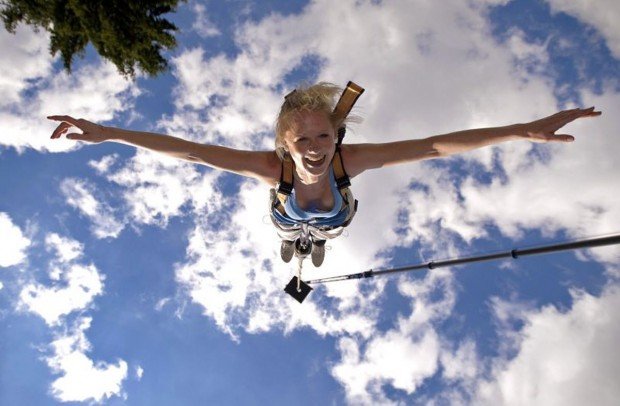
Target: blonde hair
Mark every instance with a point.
(321, 97)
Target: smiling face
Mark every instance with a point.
(311, 145)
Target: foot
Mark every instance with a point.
(287, 249)
(318, 252)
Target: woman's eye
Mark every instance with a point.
(302, 139)
(324, 135)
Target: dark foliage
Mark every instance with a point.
(130, 33)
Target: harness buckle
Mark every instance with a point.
(341, 133)
(285, 188)
(343, 182)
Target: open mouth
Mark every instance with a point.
(314, 162)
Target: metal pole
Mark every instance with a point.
(515, 253)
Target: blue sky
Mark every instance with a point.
(130, 278)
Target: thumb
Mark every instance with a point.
(75, 136)
(564, 138)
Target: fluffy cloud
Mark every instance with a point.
(203, 25)
(32, 90)
(74, 285)
(25, 57)
(104, 164)
(52, 303)
(70, 290)
(156, 187)
(564, 357)
(65, 249)
(14, 243)
(81, 379)
(603, 16)
(366, 367)
(83, 196)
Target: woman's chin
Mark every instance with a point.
(315, 170)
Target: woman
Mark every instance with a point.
(308, 160)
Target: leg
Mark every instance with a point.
(319, 238)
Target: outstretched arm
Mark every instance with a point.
(361, 157)
(262, 165)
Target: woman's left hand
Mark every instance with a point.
(543, 130)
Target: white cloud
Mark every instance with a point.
(94, 92)
(14, 244)
(139, 372)
(83, 196)
(34, 91)
(81, 379)
(74, 291)
(156, 187)
(462, 363)
(70, 291)
(602, 15)
(564, 358)
(161, 303)
(104, 164)
(66, 249)
(73, 286)
(365, 368)
(203, 25)
(25, 57)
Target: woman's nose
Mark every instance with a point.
(313, 146)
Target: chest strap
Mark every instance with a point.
(284, 188)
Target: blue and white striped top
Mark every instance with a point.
(334, 217)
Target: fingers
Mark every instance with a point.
(592, 113)
(567, 116)
(67, 119)
(76, 137)
(589, 112)
(562, 138)
(61, 129)
(66, 123)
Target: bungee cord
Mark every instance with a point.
(512, 254)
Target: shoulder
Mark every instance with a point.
(353, 158)
(271, 168)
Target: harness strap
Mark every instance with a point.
(342, 179)
(347, 99)
(344, 182)
(285, 186)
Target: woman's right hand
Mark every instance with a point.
(91, 132)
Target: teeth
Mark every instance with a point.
(315, 162)
(314, 159)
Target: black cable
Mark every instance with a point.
(514, 254)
